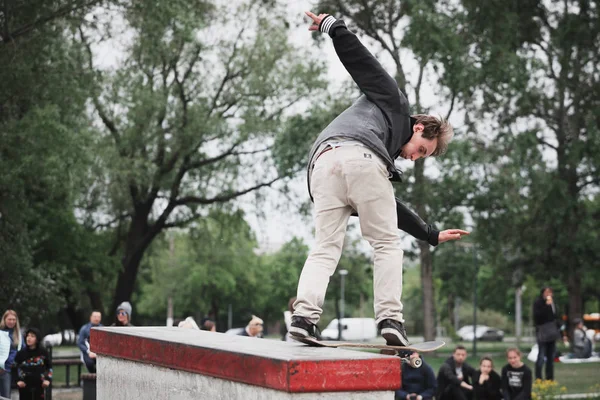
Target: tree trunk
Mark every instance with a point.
(74, 315)
(96, 301)
(339, 317)
(575, 298)
(139, 237)
(428, 292)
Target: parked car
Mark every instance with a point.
(482, 332)
(352, 329)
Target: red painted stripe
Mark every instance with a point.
(291, 376)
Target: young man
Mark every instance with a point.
(349, 171)
(417, 383)
(83, 341)
(455, 377)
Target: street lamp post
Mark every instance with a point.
(343, 273)
(475, 300)
(473, 246)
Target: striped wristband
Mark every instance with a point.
(326, 24)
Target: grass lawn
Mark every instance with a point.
(59, 375)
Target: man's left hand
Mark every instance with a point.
(46, 383)
(451, 234)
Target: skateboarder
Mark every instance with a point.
(349, 171)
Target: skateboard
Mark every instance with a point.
(424, 347)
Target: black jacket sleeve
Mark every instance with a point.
(504, 380)
(411, 223)
(370, 76)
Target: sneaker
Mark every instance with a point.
(302, 328)
(393, 332)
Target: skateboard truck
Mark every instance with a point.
(413, 362)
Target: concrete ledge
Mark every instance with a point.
(277, 365)
(127, 380)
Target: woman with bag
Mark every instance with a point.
(546, 332)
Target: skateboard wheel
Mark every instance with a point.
(416, 363)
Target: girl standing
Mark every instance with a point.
(35, 367)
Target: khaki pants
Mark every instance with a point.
(343, 179)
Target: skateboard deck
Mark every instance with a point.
(423, 347)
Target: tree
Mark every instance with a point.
(43, 146)
(535, 66)
(190, 117)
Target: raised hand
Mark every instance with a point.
(316, 20)
(451, 234)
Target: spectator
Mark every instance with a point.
(546, 332)
(582, 345)
(83, 341)
(254, 328)
(11, 341)
(209, 325)
(417, 383)
(487, 384)
(188, 323)
(516, 377)
(34, 366)
(123, 317)
(454, 377)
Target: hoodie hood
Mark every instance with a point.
(37, 334)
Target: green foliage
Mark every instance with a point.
(216, 265)
(44, 143)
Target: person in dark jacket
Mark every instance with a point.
(516, 377)
(254, 328)
(547, 332)
(349, 171)
(417, 383)
(455, 377)
(487, 384)
(34, 367)
(83, 341)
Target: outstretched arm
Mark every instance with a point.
(411, 223)
(370, 76)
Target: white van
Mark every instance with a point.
(352, 329)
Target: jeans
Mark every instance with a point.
(346, 179)
(5, 382)
(90, 363)
(547, 350)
